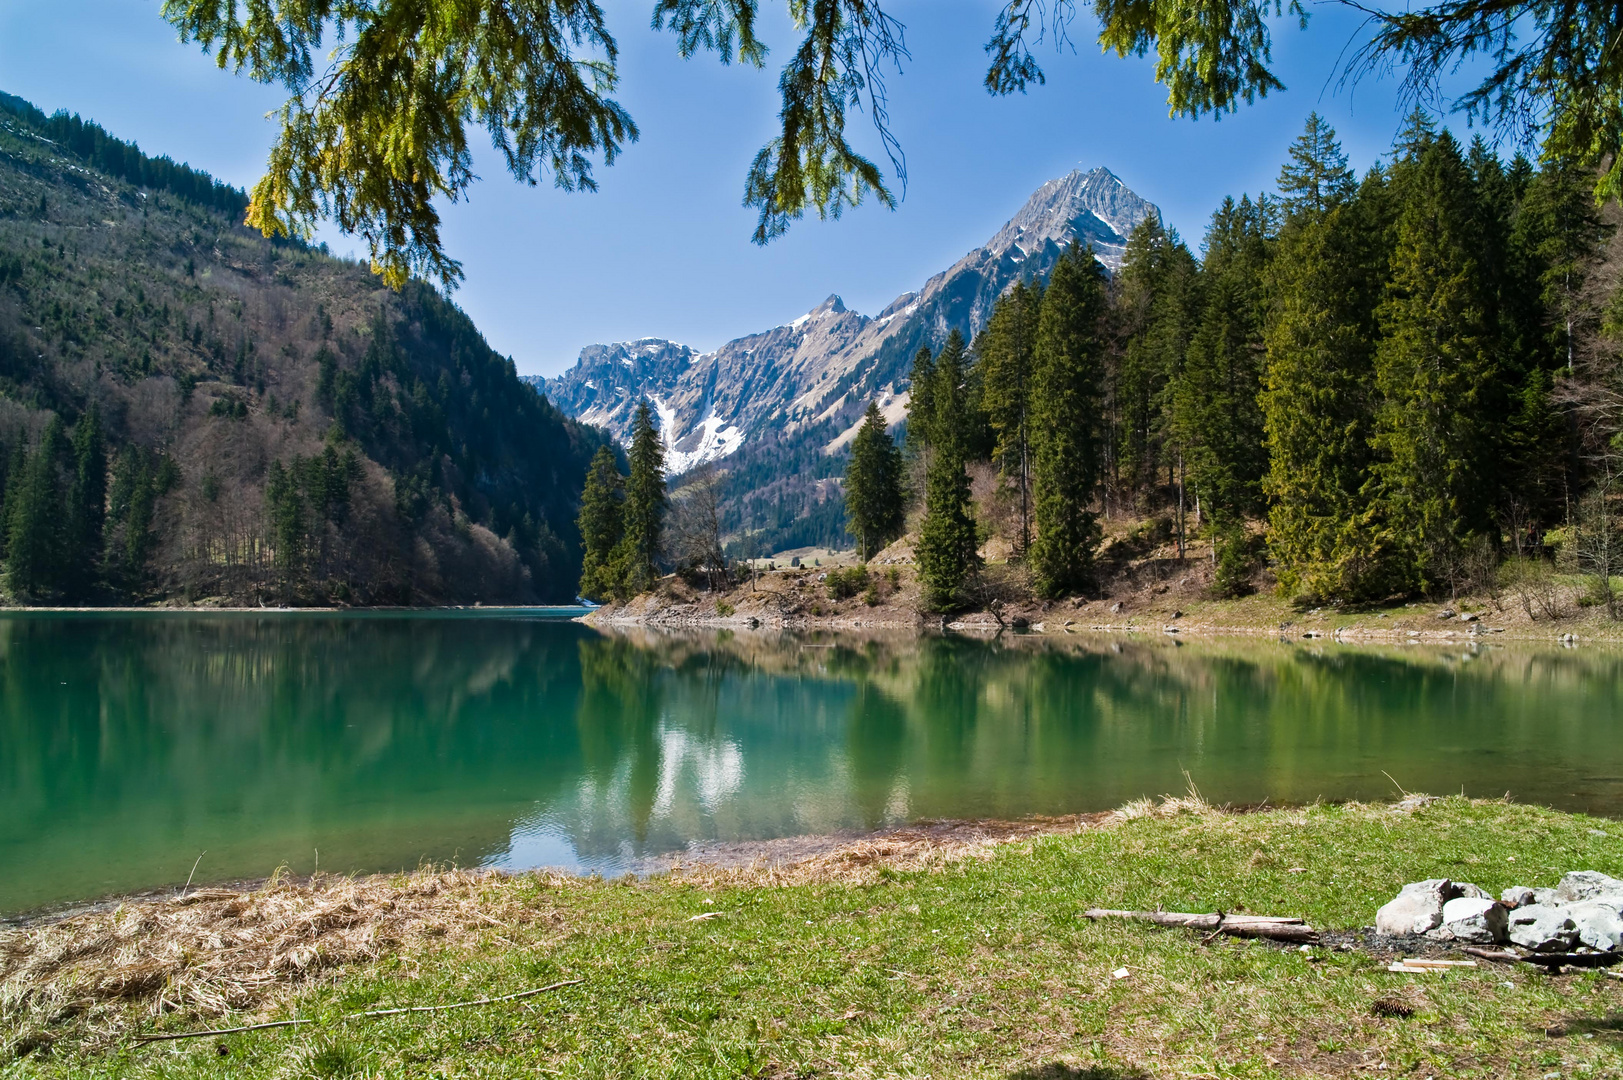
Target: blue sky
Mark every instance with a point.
(662, 249)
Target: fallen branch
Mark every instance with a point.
(1550, 959)
(1274, 927)
(370, 1015)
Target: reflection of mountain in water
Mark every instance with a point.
(129, 745)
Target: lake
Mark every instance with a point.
(135, 747)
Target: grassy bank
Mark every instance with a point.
(957, 960)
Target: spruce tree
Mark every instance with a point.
(601, 526)
(1157, 309)
(1005, 351)
(1319, 398)
(35, 519)
(921, 403)
(947, 554)
(87, 503)
(874, 502)
(645, 505)
(1317, 180)
(1436, 369)
(1218, 420)
(1066, 421)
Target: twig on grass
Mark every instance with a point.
(370, 1015)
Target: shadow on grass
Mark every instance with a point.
(1605, 1028)
(1058, 1070)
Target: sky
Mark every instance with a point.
(663, 249)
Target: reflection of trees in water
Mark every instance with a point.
(130, 733)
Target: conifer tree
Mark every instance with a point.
(1218, 420)
(87, 503)
(645, 505)
(34, 523)
(601, 527)
(947, 554)
(1005, 363)
(873, 485)
(1158, 308)
(1066, 421)
(1319, 398)
(1317, 179)
(1435, 368)
(921, 403)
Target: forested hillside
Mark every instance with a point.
(1397, 385)
(191, 412)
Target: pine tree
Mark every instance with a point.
(1435, 368)
(1318, 179)
(1066, 422)
(947, 554)
(873, 485)
(645, 505)
(601, 527)
(921, 403)
(1158, 308)
(34, 526)
(1319, 399)
(1218, 419)
(87, 503)
(1005, 352)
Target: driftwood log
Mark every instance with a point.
(1273, 927)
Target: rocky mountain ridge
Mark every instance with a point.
(811, 378)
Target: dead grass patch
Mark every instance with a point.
(213, 951)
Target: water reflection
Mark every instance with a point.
(129, 745)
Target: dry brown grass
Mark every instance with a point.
(216, 950)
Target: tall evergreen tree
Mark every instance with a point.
(1218, 418)
(1436, 368)
(1005, 364)
(34, 526)
(645, 505)
(1066, 422)
(921, 403)
(1319, 398)
(1158, 308)
(601, 526)
(87, 504)
(874, 504)
(947, 555)
(1317, 179)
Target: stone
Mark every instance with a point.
(1546, 897)
(1599, 925)
(1543, 928)
(1469, 891)
(1416, 909)
(1516, 896)
(1580, 885)
(1473, 919)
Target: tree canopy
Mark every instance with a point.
(379, 130)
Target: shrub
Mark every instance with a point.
(724, 609)
(844, 584)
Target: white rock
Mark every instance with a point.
(1517, 896)
(1543, 928)
(1474, 919)
(1599, 925)
(1416, 909)
(1466, 889)
(1582, 885)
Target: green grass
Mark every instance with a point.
(984, 969)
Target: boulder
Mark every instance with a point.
(1472, 919)
(1581, 885)
(1543, 928)
(1546, 897)
(1516, 896)
(1599, 925)
(1466, 889)
(1418, 908)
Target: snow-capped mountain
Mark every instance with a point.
(817, 373)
